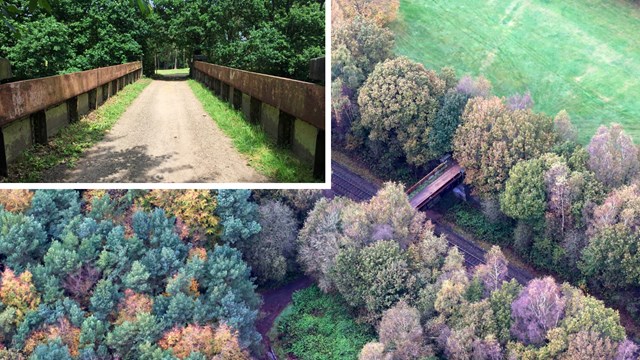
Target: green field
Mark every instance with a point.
(578, 55)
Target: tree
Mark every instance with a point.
(561, 191)
(398, 103)
(401, 332)
(373, 279)
(494, 271)
(367, 43)
(271, 252)
(380, 11)
(230, 294)
(587, 345)
(320, 240)
(54, 209)
(520, 101)
(524, 196)
(104, 299)
(204, 340)
(16, 200)
(613, 156)
(500, 301)
(53, 350)
(126, 339)
(372, 351)
(538, 308)
(478, 87)
(493, 138)
(238, 216)
(565, 130)
(18, 294)
(586, 313)
(386, 216)
(45, 36)
(446, 122)
(627, 350)
(23, 241)
(195, 208)
(611, 256)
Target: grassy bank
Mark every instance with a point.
(264, 155)
(67, 146)
(578, 55)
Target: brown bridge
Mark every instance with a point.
(291, 112)
(441, 179)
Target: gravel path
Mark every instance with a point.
(164, 136)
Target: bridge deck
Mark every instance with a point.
(436, 187)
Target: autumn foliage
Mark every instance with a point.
(493, 138)
(16, 200)
(18, 292)
(220, 342)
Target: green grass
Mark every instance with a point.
(319, 326)
(67, 146)
(578, 55)
(264, 155)
(184, 71)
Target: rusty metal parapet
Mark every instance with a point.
(23, 98)
(305, 101)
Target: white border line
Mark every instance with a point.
(325, 185)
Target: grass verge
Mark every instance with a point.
(67, 146)
(264, 155)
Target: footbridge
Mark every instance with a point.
(444, 177)
(164, 129)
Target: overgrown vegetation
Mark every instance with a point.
(67, 146)
(319, 326)
(472, 219)
(264, 155)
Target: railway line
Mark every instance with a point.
(346, 183)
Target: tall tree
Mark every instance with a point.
(613, 156)
(493, 138)
(398, 103)
(538, 309)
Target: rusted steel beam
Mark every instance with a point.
(303, 100)
(23, 98)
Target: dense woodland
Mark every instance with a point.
(168, 274)
(274, 37)
(564, 207)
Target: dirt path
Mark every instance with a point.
(274, 301)
(164, 136)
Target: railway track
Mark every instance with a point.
(346, 183)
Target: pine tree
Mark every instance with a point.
(238, 216)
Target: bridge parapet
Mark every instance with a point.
(32, 111)
(291, 112)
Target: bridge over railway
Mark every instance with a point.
(165, 135)
(346, 183)
(438, 181)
